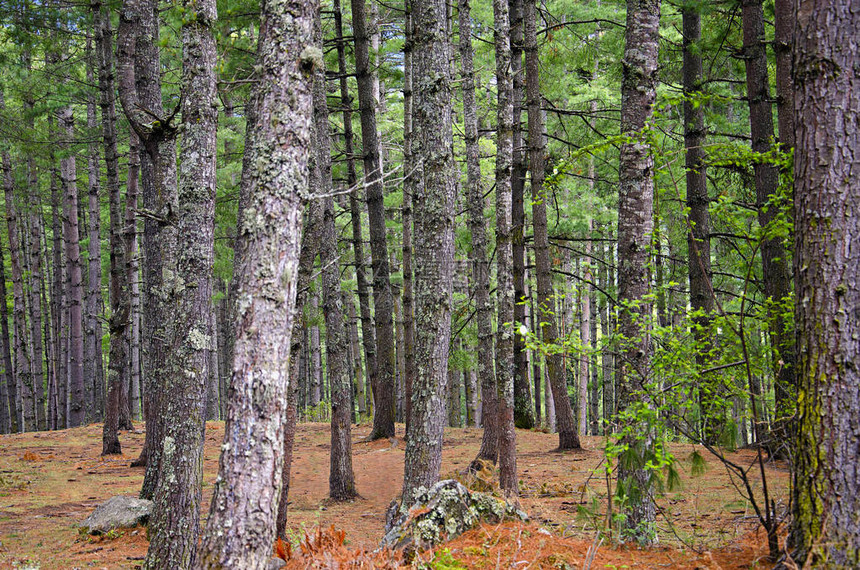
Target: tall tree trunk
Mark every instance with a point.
(314, 350)
(60, 316)
(341, 477)
(27, 419)
(698, 237)
(434, 245)
(311, 233)
(489, 450)
(635, 226)
(777, 279)
(410, 186)
(119, 313)
(132, 260)
(523, 416)
(93, 362)
(173, 527)
(68, 175)
(825, 529)
(120, 308)
(783, 42)
(383, 390)
(367, 329)
(607, 354)
(256, 420)
(360, 389)
(504, 255)
(568, 437)
(8, 389)
(139, 87)
(585, 339)
(35, 294)
(16, 419)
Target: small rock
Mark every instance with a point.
(446, 510)
(276, 564)
(117, 512)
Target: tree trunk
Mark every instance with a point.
(367, 330)
(239, 534)
(568, 437)
(360, 388)
(383, 389)
(173, 526)
(93, 363)
(60, 316)
(433, 246)
(489, 450)
(16, 422)
(139, 87)
(825, 529)
(606, 357)
(410, 186)
(132, 272)
(635, 226)
(27, 419)
(117, 325)
(585, 339)
(523, 416)
(8, 389)
(777, 279)
(341, 478)
(68, 175)
(504, 255)
(698, 237)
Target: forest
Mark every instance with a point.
(595, 260)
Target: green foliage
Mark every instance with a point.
(442, 560)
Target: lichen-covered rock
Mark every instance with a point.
(442, 512)
(117, 512)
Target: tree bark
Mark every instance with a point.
(635, 226)
(775, 272)
(568, 436)
(8, 389)
(367, 329)
(383, 390)
(16, 416)
(489, 450)
(173, 526)
(68, 175)
(139, 87)
(523, 415)
(698, 236)
(410, 186)
(341, 477)
(504, 255)
(241, 525)
(117, 325)
(825, 529)
(433, 245)
(93, 362)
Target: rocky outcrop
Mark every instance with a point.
(117, 512)
(442, 512)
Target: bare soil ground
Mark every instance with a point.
(50, 481)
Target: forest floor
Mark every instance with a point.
(50, 481)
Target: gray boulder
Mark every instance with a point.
(117, 512)
(442, 512)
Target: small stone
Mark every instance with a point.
(117, 512)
